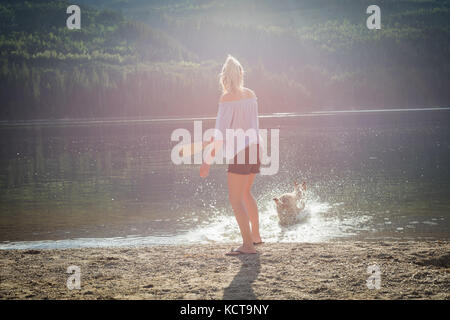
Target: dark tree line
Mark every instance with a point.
(162, 58)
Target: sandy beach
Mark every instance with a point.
(338, 270)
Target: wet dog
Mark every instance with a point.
(289, 205)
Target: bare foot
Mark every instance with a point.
(241, 250)
(257, 240)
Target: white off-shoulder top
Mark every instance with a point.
(237, 114)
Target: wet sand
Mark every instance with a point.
(337, 270)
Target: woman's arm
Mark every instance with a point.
(213, 145)
(223, 121)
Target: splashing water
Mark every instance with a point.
(317, 223)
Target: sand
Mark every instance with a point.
(337, 270)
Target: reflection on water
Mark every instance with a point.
(370, 175)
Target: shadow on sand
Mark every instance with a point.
(241, 285)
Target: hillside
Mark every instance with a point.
(136, 58)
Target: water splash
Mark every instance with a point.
(318, 224)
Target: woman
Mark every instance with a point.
(238, 109)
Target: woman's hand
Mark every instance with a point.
(204, 170)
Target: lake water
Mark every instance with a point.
(370, 175)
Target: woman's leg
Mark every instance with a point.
(236, 184)
(252, 208)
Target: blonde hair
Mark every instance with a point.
(232, 75)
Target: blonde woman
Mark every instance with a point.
(238, 109)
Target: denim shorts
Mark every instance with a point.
(247, 167)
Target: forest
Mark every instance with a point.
(136, 58)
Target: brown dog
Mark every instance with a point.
(289, 205)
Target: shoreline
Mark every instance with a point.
(338, 270)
